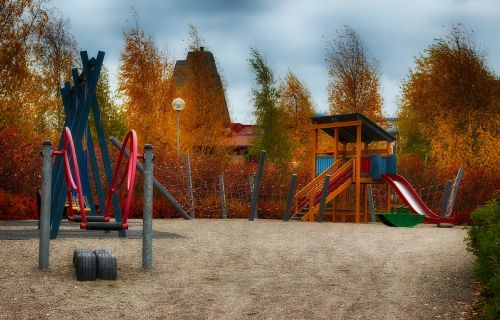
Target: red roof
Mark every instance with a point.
(241, 135)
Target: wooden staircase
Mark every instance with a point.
(308, 199)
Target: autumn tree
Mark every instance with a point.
(296, 107)
(145, 85)
(269, 117)
(112, 115)
(55, 54)
(449, 108)
(354, 76)
(199, 83)
(20, 23)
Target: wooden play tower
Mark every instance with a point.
(350, 150)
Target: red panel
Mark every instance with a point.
(365, 164)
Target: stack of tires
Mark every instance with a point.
(94, 264)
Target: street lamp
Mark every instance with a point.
(178, 105)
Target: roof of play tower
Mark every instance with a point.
(370, 131)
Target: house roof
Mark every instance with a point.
(370, 131)
(242, 135)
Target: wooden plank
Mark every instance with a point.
(337, 125)
(353, 152)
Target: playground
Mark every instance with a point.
(232, 268)
(236, 269)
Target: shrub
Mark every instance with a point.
(17, 206)
(484, 242)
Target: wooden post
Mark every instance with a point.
(336, 145)
(315, 146)
(365, 207)
(335, 157)
(358, 173)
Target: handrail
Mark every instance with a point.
(349, 165)
(316, 181)
(346, 166)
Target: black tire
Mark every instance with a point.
(105, 251)
(106, 266)
(86, 266)
(78, 251)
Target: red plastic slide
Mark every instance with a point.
(411, 198)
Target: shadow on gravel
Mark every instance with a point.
(31, 232)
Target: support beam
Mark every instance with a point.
(355, 123)
(336, 145)
(358, 174)
(315, 147)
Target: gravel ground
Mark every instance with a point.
(236, 269)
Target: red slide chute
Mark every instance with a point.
(412, 199)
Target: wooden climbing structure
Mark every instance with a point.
(354, 152)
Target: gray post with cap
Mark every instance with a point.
(255, 192)
(44, 219)
(189, 186)
(322, 203)
(147, 215)
(289, 198)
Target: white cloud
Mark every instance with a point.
(289, 33)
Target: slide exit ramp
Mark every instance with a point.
(410, 197)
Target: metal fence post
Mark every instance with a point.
(371, 204)
(222, 197)
(189, 186)
(44, 219)
(289, 198)
(251, 183)
(322, 202)
(147, 224)
(446, 198)
(255, 192)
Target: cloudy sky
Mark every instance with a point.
(291, 34)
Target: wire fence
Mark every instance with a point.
(238, 183)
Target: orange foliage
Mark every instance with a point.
(354, 77)
(19, 174)
(449, 109)
(145, 83)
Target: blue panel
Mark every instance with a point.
(390, 164)
(376, 166)
(322, 163)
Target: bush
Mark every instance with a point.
(484, 242)
(17, 206)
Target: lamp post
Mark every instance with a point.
(178, 105)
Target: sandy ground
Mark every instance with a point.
(236, 269)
